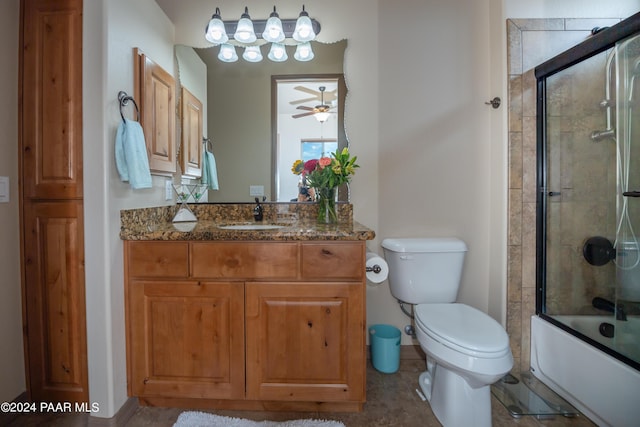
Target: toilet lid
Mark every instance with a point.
(463, 328)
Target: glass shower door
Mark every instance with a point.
(590, 200)
(626, 331)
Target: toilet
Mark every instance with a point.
(466, 349)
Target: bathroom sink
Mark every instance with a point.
(250, 227)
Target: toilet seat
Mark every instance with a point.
(463, 329)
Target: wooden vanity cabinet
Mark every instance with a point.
(305, 341)
(202, 314)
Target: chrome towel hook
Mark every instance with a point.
(124, 99)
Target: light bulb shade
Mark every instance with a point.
(273, 31)
(244, 31)
(227, 53)
(304, 29)
(304, 52)
(252, 54)
(277, 53)
(216, 32)
(322, 117)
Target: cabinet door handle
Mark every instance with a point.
(326, 251)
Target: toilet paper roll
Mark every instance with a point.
(374, 260)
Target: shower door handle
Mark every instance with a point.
(631, 194)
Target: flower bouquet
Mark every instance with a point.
(325, 175)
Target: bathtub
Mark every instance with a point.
(600, 386)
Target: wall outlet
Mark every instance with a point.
(256, 190)
(168, 190)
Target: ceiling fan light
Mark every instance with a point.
(322, 116)
(244, 31)
(277, 53)
(227, 53)
(215, 32)
(304, 52)
(273, 31)
(252, 54)
(304, 29)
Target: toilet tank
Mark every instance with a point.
(424, 270)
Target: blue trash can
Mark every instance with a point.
(385, 348)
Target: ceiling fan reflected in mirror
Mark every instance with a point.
(330, 96)
(320, 112)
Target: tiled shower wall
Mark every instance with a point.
(529, 43)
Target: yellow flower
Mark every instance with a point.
(298, 167)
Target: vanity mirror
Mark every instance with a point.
(241, 117)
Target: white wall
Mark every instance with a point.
(112, 28)
(435, 152)
(12, 379)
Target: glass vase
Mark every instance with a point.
(327, 205)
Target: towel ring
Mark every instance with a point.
(124, 100)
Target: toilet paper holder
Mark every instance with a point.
(375, 268)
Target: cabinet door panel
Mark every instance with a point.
(305, 341)
(191, 152)
(51, 125)
(158, 118)
(187, 339)
(54, 292)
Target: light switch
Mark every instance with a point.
(4, 189)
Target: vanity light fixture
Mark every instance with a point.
(273, 31)
(244, 30)
(277, 53)
(252, 54)
(215, 32)
(304, 52)
(304, 29)
(248, 33)
(227, 53)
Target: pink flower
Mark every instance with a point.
(324, 161)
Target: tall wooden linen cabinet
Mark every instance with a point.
(51, 200)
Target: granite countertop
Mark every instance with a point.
(296, 222)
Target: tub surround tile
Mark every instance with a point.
(514, 47)
(529, 153)
(515, 160)
(515, 104)
(514, 231)
(529, 94)
(514, 273)
(528, 245)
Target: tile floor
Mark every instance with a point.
(391, 401)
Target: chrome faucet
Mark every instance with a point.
(258, 210)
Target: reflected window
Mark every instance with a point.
(316, 148)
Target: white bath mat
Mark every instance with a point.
(203, 419)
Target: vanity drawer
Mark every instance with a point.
(333, 260)
(158, 259)
(254, 260)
